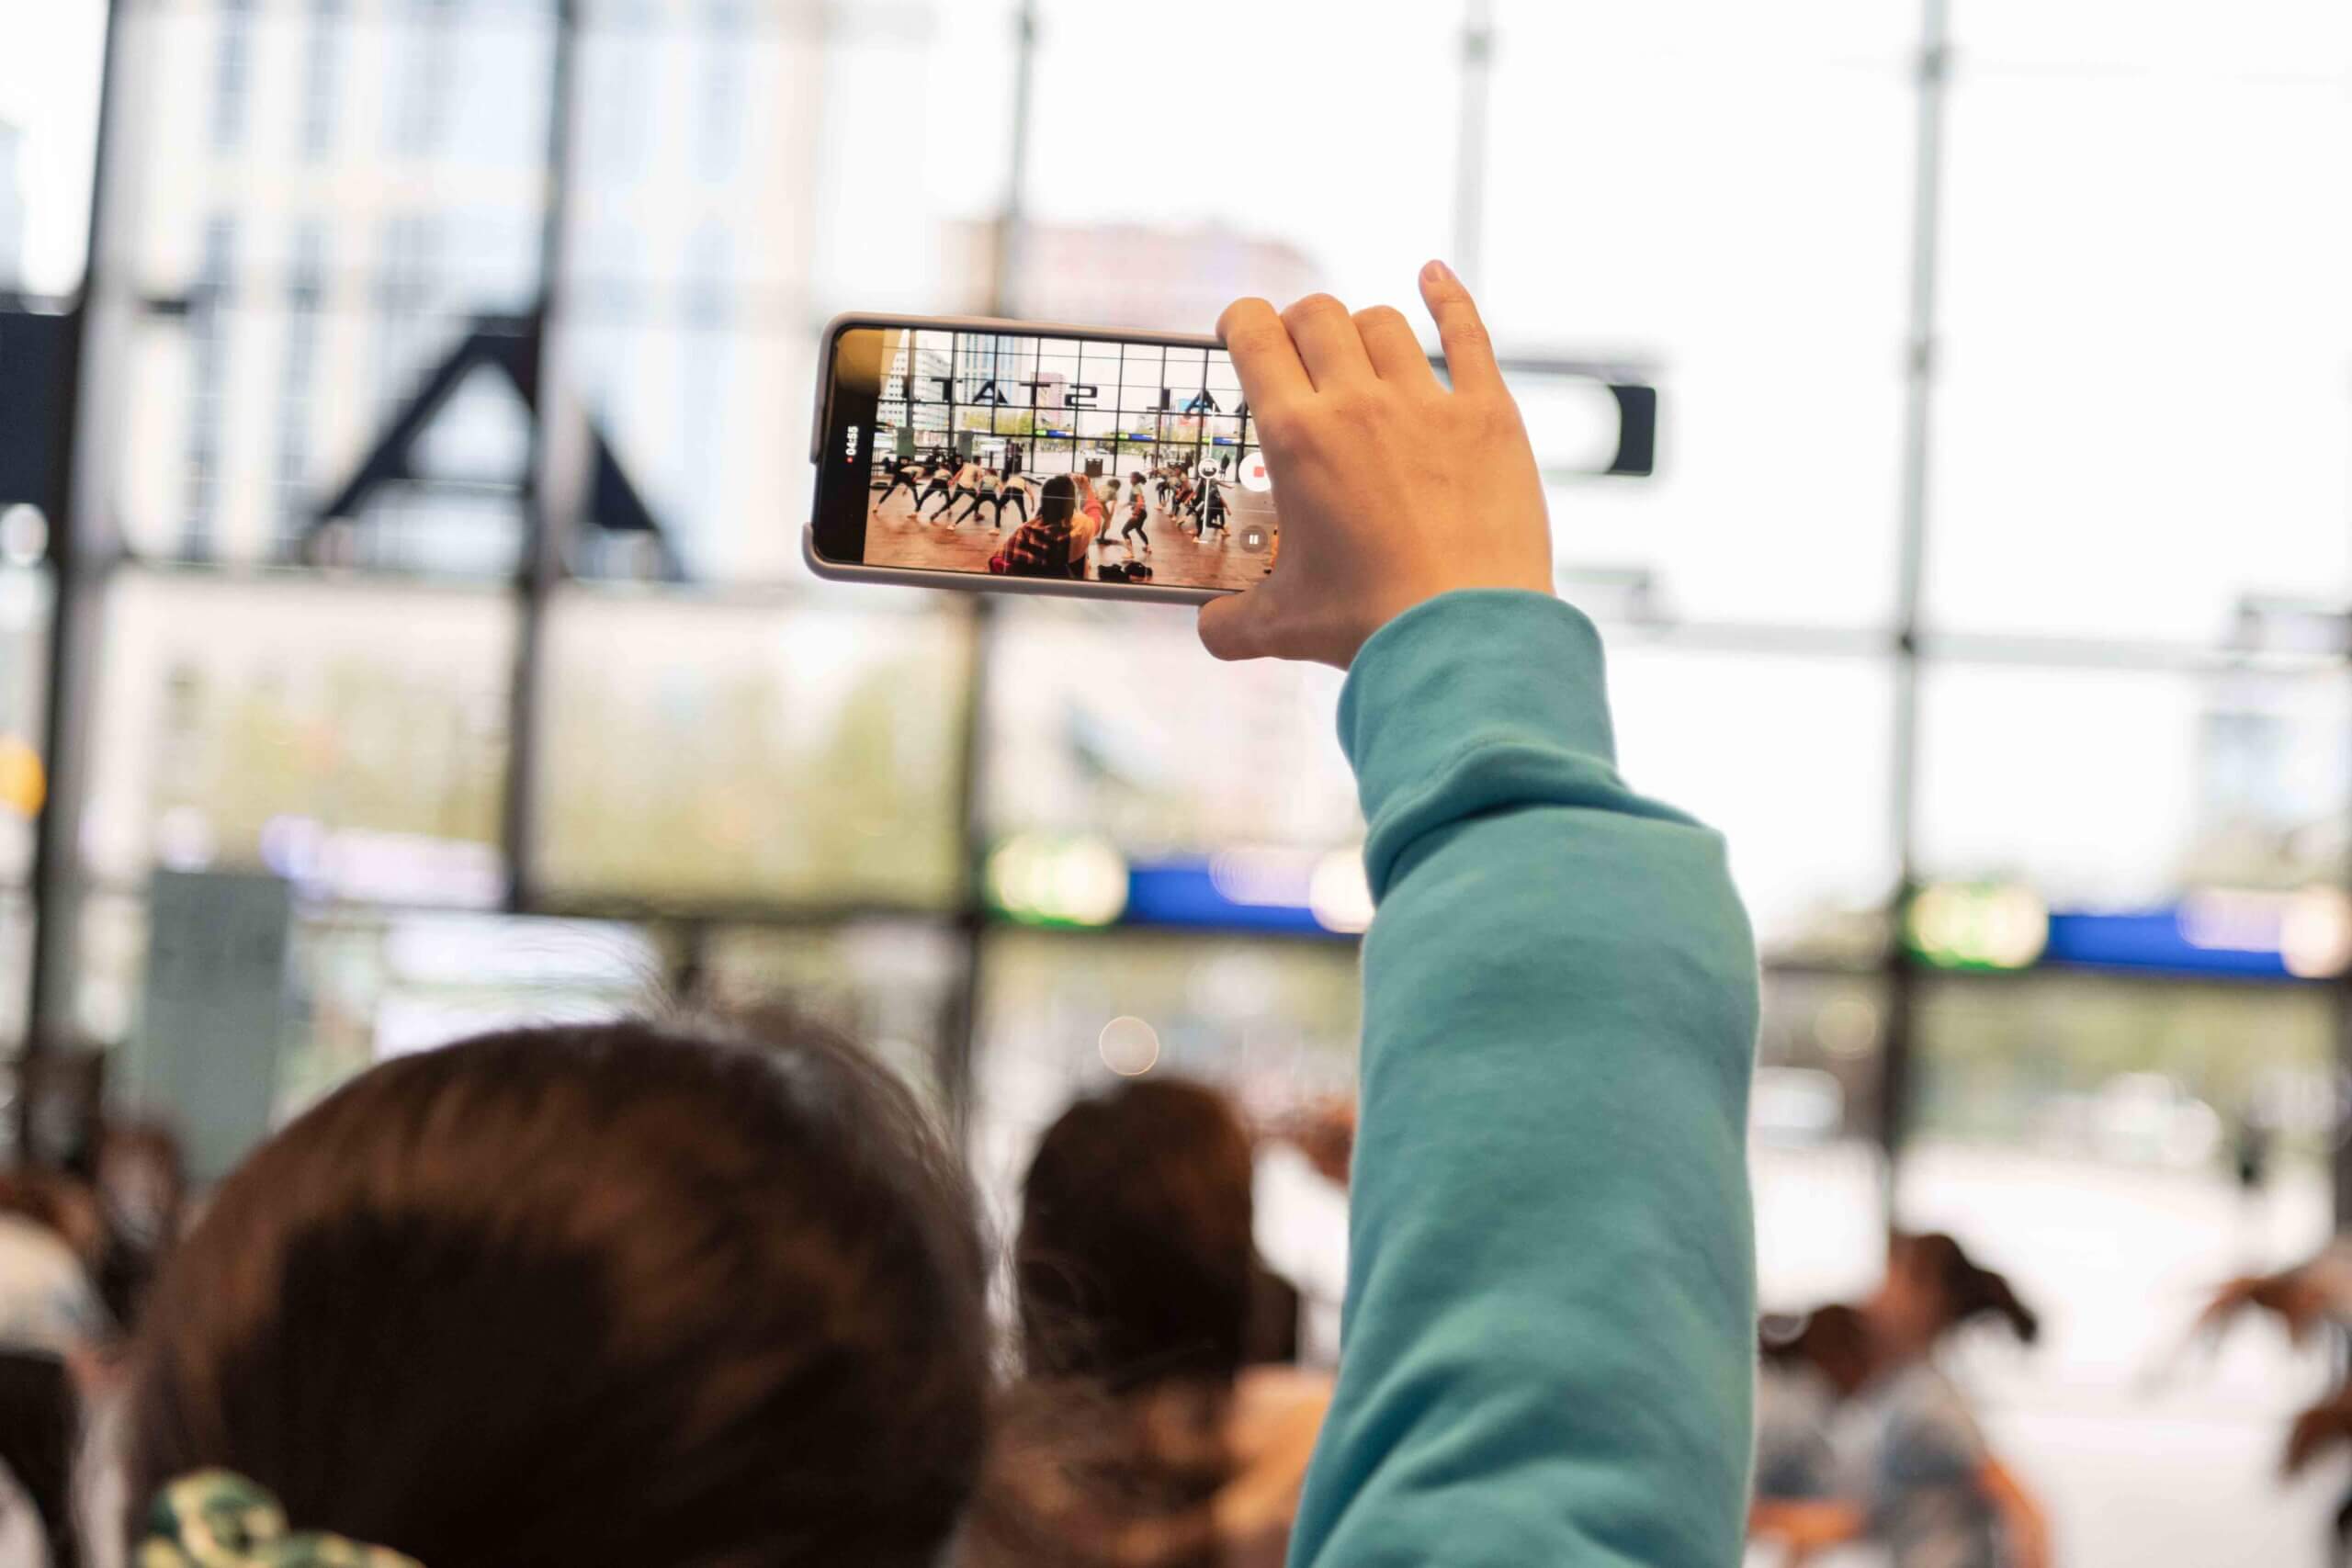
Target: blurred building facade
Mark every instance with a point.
(1126, 275)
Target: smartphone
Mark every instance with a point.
(1029, 457)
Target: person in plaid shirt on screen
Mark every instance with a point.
(1041, 546)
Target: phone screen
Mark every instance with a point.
(1029, 455)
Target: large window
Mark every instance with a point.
(440, 466)
(2146, 319)
(798, 755)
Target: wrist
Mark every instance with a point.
(1382, 611)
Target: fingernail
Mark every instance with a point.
(1438, 272)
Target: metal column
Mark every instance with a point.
(79, 543)
(1896, 1057)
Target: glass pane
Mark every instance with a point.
(24, 702)
(742, 175)
(2144, 304)
(911, 156)
(1113, 720)
(354, 985)
(1274, 1024)
(112, 958)
(2105, 789)
(802, 755)
(48, 124)
(1813, 1157)
(254, 420)
(700, 168)
(332, 201)
(2080, 1135)
(709, 423)
(351, 738)
(1160, 210)
(1791, 759)
(1756, 274)
(886, 985)
(16, 968)
(2272, 38)
(270, 116)
(367, 986)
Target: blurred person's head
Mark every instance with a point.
(59, 1203)
(1135, 1262)
(1058, 499)
(1833, 1340)
(598, 1296)
(50, 1304)
(53, 1267)
(1933, 1286)
(141, 1186)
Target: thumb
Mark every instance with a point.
(1238, 626)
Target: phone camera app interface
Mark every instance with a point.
(1042, 456)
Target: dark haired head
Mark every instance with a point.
(1136, 1261)
(1834, 1340)
(1058, 499)
(598, 1296)
(1961, 1289)
(59, 1203)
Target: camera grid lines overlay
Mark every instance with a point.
(1160, 479)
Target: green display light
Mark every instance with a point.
(1977, 926)
(1056, 879)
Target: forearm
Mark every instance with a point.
(2022, 1521)
(1807, 1525)
(1551, 1300)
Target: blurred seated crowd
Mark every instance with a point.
(80, 1244)
(1147, 1409)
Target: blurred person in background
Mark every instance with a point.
(1136, 1435)
(602, 1295)
(1863, 1436)
(1934, 1490)
(2313, 1294)
(2302, 1298)
(139, 1175)
(52, 1242)
(56, 1336)
(1805, 1373)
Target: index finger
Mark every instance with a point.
(1263, 355)
(1469, 352)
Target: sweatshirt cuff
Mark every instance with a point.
(1473, 701)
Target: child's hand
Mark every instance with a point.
(1391, 488)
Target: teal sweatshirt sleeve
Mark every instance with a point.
(1550, 1328)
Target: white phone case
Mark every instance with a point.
(979, 582)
